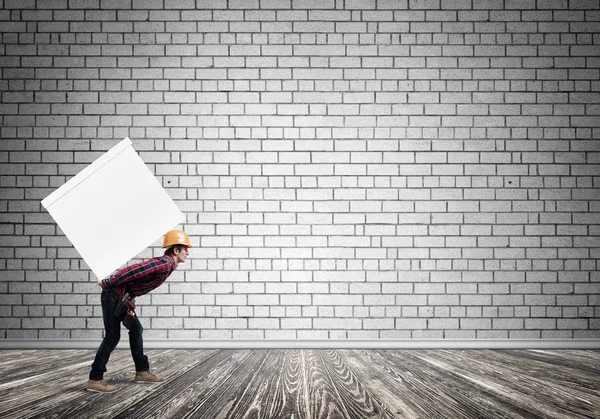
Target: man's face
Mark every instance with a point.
(181, 254)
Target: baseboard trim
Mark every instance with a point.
(314, 344)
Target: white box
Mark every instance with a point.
(113, 209)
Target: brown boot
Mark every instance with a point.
(147, 377)
(100, 386)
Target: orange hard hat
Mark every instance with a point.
(174, 237)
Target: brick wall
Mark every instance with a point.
(369, 169)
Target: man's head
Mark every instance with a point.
(178, 252)
(177, 244)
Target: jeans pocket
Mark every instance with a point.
(109, 299)
(104, 297)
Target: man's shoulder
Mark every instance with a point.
(161, 260)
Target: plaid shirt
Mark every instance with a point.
(141, 278)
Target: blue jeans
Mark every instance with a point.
(112, 335)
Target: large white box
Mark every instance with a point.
(113, 209)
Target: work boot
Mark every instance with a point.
(147, 377)
(100, 386)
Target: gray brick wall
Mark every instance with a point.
(369, 169)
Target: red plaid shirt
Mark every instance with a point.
(141, 278)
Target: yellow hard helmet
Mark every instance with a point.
(174, 237)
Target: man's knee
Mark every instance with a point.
(113, 333)
(134, 325)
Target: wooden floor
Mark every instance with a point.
(253, 383)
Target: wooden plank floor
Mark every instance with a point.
(262, 383)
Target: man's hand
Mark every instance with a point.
(100, 282)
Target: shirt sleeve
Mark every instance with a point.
(145, 269)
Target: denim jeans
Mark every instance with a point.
(112, 335)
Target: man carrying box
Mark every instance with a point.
(118, 302)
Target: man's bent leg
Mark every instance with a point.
(136, 343)
(142, 367)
